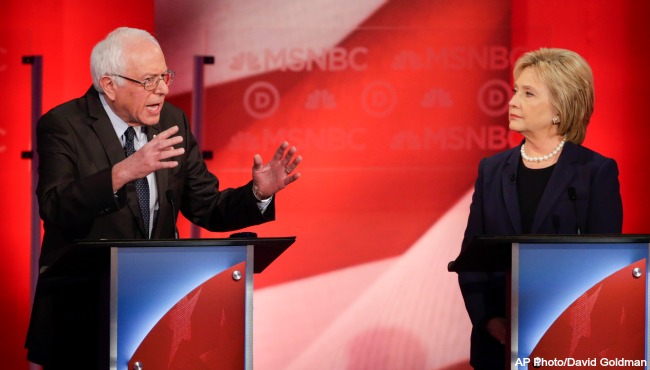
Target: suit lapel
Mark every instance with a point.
(112, 146)
(509, 188)
(556, 187)
(161, 186)
(104, 129)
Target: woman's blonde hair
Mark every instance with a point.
(570, 82)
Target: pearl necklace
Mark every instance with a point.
(543, 158)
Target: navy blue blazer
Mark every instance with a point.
(495, 211)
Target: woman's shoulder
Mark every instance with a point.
(503, 156)
(584, 154)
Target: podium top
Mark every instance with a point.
(265, 250)
(493, 252)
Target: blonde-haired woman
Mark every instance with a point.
(549, 184)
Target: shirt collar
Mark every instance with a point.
(118, 124)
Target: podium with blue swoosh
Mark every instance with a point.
(169, 304)
(574, 300)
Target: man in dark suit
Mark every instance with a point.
(110, 165)
(550, 184)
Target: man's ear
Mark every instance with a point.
(108, 85)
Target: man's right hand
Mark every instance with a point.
(151, 157)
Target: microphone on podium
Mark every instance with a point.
(170, 199)
(574, 197)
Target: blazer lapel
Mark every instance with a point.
(112, 146)
(104, 129)
(162, 186)
(509, 188)
(557, 185)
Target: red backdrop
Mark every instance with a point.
(63, 32)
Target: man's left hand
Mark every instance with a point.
(274, 176)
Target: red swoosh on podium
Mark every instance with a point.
(204, 330)
(607, 321)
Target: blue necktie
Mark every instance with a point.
(141, 185)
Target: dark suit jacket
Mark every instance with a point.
(77, 148)
(495, 211)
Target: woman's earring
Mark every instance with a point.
(556, 120)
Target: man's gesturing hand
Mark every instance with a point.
(277, 174)
(151, 157)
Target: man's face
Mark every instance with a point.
(131, 102)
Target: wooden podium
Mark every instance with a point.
(173, 304)
(574, 300)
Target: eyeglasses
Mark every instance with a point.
(151, 83)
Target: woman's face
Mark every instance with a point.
(531, 111)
